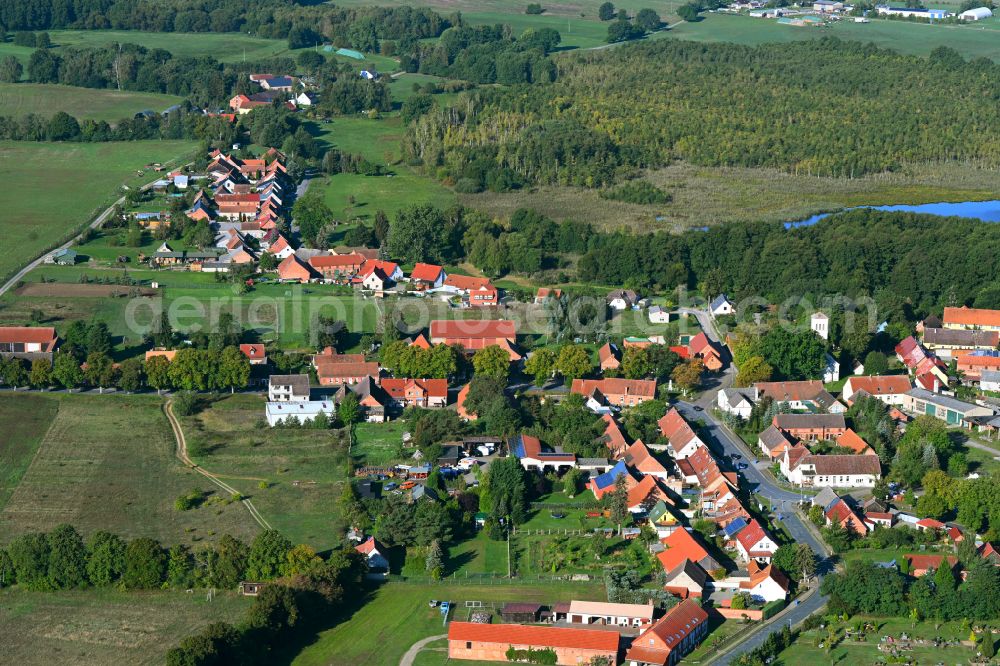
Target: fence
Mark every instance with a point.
(491, 579)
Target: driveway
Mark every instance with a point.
(411, 654)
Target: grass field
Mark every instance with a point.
(54, 189)
(397, 615)
(378, 141)
(705, 195)
(980, 39)
(304, 469)
(45, 99)
(99, 627)
(89, 473)
(26, 420)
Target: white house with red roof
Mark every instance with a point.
(426, 393)
(476, 292)
(29, 342)
(375, 553)
(671, 637)
(255, 352)
(683, 439)
(753, 543)
(428, 276)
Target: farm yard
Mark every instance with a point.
(20, 99)
(89, 178)
(87, 474)
(99, 627)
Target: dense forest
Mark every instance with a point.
(910, 264)
(822, 107)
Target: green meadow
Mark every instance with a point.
(20, 99)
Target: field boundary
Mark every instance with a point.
(182, 455)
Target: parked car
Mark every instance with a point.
(742, 466)
(407, 485)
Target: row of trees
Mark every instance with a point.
(191, 370)
(62, 560)
(649, 104)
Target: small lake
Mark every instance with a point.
(987, 211)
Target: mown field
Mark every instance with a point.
(100, 627)
(26, 420)
(54, 189)
(107, 463)
(20, 99)
(397, 615)
(378, 141)
(980, 39)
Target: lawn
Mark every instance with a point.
(705, 196)
(397, 615)
(98, 627)
(980, 39)
(44, 99)
(380, 443)
(54, 189)
(352, 196)
(26, 420)
(303, 469)
(86, 472)
(806, 650)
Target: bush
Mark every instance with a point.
(186, 403)
(189, 501)
(772, 608)
(534, 8)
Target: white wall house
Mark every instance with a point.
(288, 388)
(303, 412)
(820, 324)
(738, 401)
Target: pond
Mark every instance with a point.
(987, 211)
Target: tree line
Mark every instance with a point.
(715, 105)
(302, 24)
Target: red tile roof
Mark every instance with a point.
(799, 391)
(851, 440)
(681, 545)
(369, 545)
(655, 644)
(483, 329)
(677, 430)
(613, 386)
(751, 535)
(43, 335)
(467, 283)
(881, 385)
(535, 636)
(971, 317)
(426, 272)
(431, 388)
(253, 351)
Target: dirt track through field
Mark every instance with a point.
(182, 455)
(75, 290)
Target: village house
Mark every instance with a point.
(536, 456)
(687, 580)
(339, 369)
(28, 342)
(681, 436)
(971, 318)
(701, 347)
(337, 268)
(890, 389)
(616, 392)
(622, 299)
(841, 514)
(293, 270)
(544, 293)
(754, 543)
(766, 583)
(952, 411)
(972, 364)
(301, 411)
(375, 554)
(609, 357)
(490, 642)
(684, 545)
(424, 393)
(853, 441)
(721, 307)
(658, 315)
(839, 471)
(773, 442)
(427, 276)
(921, 565)
(672, 636)
(800, 395)
(948, 342)
(610, 614)
(812, 427)
(475, 334)
(737, 401)
(255, 352)
(476, 292)
(641, 459)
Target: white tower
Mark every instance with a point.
(820, 323)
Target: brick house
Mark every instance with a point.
(671, 637)
(490, 642)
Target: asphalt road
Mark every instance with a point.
(725, 445)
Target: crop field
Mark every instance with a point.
(25, 419)
(979, 39)
(44, 99)
(54, 189)
(107, 463)
(99, 627)
(226, 46)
